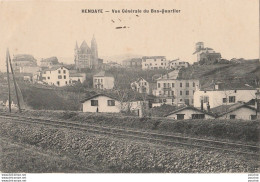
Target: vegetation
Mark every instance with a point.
(109, 154)
(235, 130)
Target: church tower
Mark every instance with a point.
(94, 51)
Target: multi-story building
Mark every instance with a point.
(205, 55)
(154, 62)
(58, 76)
(177, 63)
(23, 60)
(103, 80)
(175, 91)
(222, 94)
(144, 85)
(133, 63)
(86, 57)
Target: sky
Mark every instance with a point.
(51, 28)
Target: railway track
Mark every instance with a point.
(169, 140)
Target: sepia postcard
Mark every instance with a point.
(136, 88)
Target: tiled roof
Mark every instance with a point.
(103, 74)
(172, 75)
(153, 57)
(224, 109)
(54, 68)
(191, 108)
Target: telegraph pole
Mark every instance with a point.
(15, 84)
(8, 80)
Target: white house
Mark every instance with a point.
(58, 76)
(190, 112)
(175, 64)
(220, 96)
(103, 80)
(236, 111)
(144, 86)
(101, 103)
(154, 62)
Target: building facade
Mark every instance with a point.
(190, 113)
(58, 76)
(174, 91)
(176, 64)
(215, 98)
(154, 62)
(205, 55)
(143, 86)
(101, 103)
(85, 56)
(133, 63)
(103, 80)
(23, 60)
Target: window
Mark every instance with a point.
(224, 100)
(180, 116)
(172, 92)
(187, 101)
(59, 71)
(144, 83)
(198, 116)
(111, 102)
(66, 82)
(94, 102)
(58, 83)
(159, 85)
(64, 71)
(164, 85)
(161, 63)
(64, 76)
(48, 77)
(168, 85)
(59, 77)
(253, 117)
(172, 84)
(180, 92)
(232, 116)
(101, 80)
(232, 99)
(193, 84)
(187, 92)
(180, 84)
(187, 84)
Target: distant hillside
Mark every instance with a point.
(244, 72)
(120, 58)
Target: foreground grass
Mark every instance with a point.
(17, 158)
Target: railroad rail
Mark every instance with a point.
(169, 140)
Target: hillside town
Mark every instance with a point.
(190, 99)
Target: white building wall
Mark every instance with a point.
(102, 105)
(188, 114)
(216, 97)
(242, 113)
(55, 76)
(103, 82)
(157, 63)
(179, 91)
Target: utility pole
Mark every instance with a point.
(8, 80)
(15, 84)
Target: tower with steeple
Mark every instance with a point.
(84, 56)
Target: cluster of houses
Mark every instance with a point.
(192, 102)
